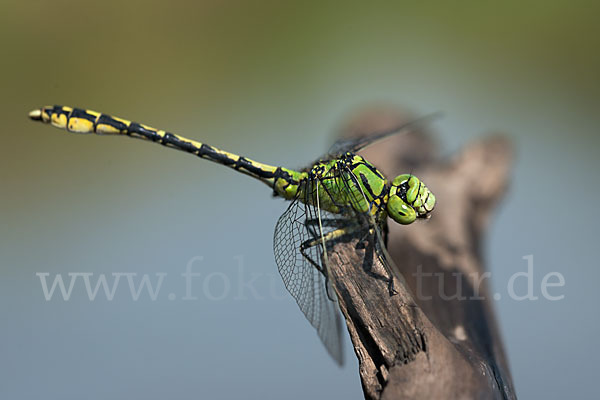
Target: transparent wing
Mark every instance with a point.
(303, 271)
(353, 145)
(300, 258)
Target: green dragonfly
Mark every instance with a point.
(339, 196)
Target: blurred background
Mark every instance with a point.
(274, 81)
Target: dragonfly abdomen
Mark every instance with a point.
(86, 121)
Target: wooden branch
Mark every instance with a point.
(437, 338)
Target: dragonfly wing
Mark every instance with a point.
(354, 145)
(296, 227)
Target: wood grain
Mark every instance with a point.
(437, 338)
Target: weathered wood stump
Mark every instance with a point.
(437, 337)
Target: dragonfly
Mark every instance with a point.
(339, 196)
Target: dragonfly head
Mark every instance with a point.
(409, 199)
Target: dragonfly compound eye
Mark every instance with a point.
(409, 199)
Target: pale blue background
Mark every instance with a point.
(273, 82)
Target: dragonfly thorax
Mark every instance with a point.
(346, 184)
(350, 183)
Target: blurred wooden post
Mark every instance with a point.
(437, 338)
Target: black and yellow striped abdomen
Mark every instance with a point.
(86, 121)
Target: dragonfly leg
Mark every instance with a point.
(317, 266)
(312, 225)
(336, 234)
(362, 238)
(370, 236)
(328, 237)
(392, 290)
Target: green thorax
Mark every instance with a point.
(342, 183)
